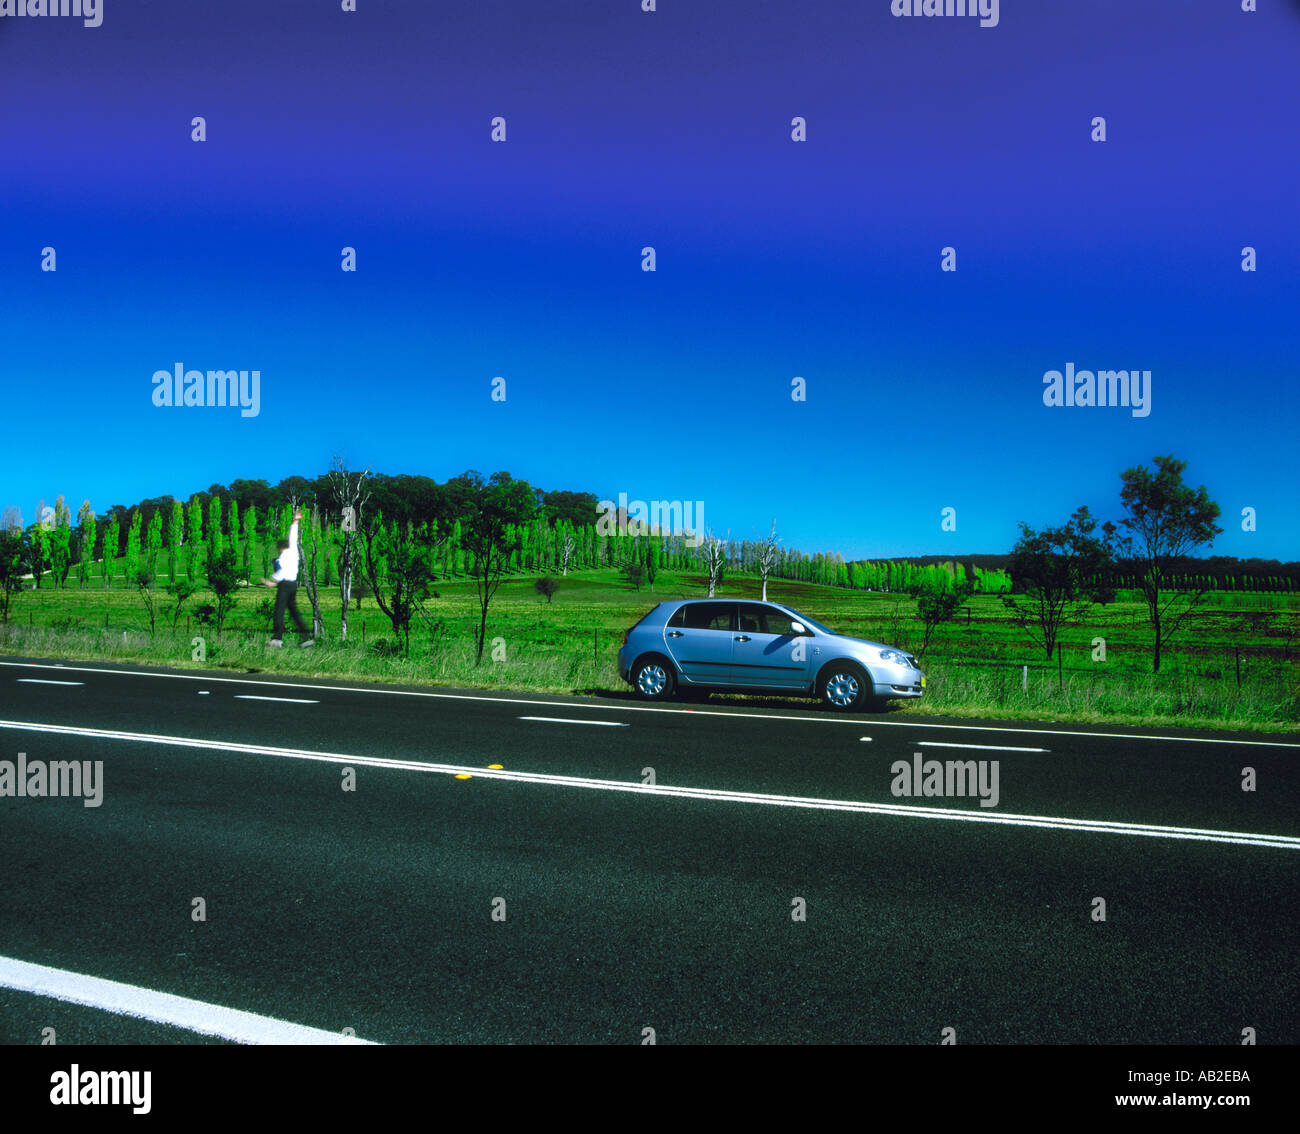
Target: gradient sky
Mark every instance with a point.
(775, 259)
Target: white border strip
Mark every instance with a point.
(625, 708)
(161, 1007)
(575, 720)
(981, 747)
(1197, 834)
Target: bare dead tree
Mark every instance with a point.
(714, 557)
(766, 556)
(350, 494)
(566, 552)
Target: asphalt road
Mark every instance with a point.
(567, 898)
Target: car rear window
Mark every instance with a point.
(704, 616)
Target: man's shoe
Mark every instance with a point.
(275, 643)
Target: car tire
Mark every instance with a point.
(845, 687)
(653, 678)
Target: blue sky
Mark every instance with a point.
(775, 259)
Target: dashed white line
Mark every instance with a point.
(575, 720)
(982, 747)
(46, 681)
(161, 1007)
(625, 708)
(1059, 823)
(289, 700)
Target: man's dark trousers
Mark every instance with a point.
(285, 593)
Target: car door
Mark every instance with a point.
(766, 653)
(699, 638)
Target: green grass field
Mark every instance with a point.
(571, 644)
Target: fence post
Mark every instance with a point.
(1060, 672)
(595, 647)
(1024, 680)
(1237, 651)
(363, 629)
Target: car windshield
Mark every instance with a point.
(811, 622)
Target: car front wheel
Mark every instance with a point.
(653, 679)
(845, 687)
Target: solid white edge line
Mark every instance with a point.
(1119, 827)
(575, 720)
(982, 747)
(162, 1007)
(623, 708)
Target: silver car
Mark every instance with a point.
(743, 646)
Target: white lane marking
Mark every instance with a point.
(290, 700)
(982, 747)
(574, 720)
(625, 708)
(1061, 823)
(161, 1007)
(47, 681)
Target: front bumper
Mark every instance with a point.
(902, 683)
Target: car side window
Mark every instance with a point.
(777, 621)
(704, 616)
(751, 619)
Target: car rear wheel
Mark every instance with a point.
(845, 687)
(653, 679)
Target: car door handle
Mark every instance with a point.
(674, 634)
(743, 638)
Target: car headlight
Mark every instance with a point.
(894, 657)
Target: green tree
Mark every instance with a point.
(194, 538)
(13, 567)
(144, 580)
(181, 590)
(546, 586)
(224, 578)
(398, 566)
(250, 536)
(153, 539)
(133, 547)
(216, 538)
(1058, 573)
(174, 535)
(61, 543)
(85, 541)
(112, 541)
(38, 544)
(1166, 520)
(492, 506)
(936, 603)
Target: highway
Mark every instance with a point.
(315, 861)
